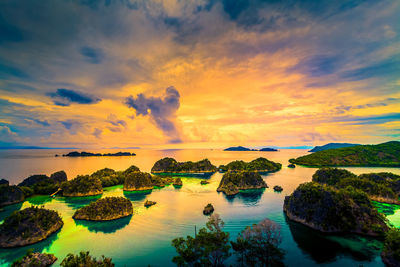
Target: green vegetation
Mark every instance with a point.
(233, 181)
(327, 209)
(259, 245)
(105, 209)
(260, 165)
(170, 165)
(28, 226)
(41, 184)
(82, 185)
(208, 209)
(10, 194)
(332, 146)
(109, 177)
(149, 203)
(331, 176)
(84, 259)
(391, 249)
(255, 246)
(210, 247)
(385, 155)
(28, 191)
(35, 259)
(138, 181)
(178, 182)
(382, 187)
(142, 181)
(131, 169)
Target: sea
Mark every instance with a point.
(144, 239)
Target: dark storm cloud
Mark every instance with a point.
(65, 97)
(160, 109)
(92, 55)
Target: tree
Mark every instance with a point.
(210, 247)
(84, 259)
(258, 245)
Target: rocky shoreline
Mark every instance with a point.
(29, 226)
(105, 209)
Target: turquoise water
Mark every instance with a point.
(145, 238)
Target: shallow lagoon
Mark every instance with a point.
(145, 238)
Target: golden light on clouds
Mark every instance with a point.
(258, 74)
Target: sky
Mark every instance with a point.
(198, 74)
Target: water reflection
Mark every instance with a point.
(7, 210)
(136, 195)
(325, 248)
(107, 227)
(385, 208)
(39, 200)
(249, 197)
(78, 202)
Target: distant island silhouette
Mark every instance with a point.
(89, 154)
(242, 148)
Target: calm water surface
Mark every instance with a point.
(145, 238)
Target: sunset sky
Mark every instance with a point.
(198, 74)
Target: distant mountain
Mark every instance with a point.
(382, 155)
(332, 146)
(268, 149)
(238, 148)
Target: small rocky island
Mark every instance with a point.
(178, 182)
(204, 182)
(382, 155)
(149, 203)
(330, 210)
(391, 249)
(89, 154)
(278, 188)
(257, 165)
(209, 209)
(35, 259)
(233, 181)
(82, 185)
(105, 209)
(381, 187)
(171, 166)
(138, 181)
(291, 165)
(28, 226)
